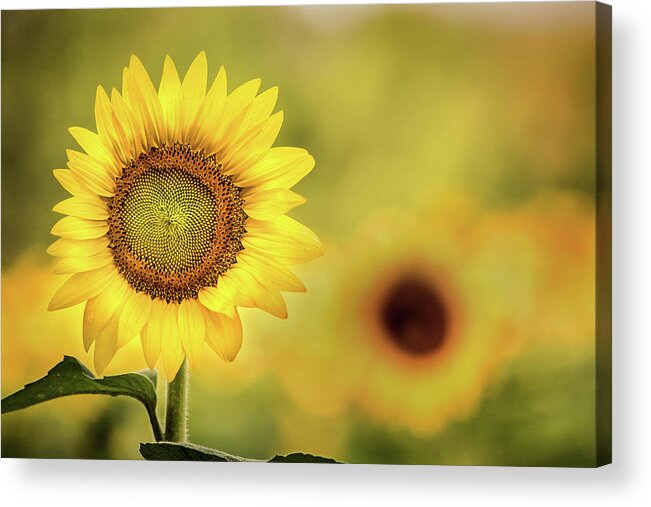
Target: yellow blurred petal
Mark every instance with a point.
(223, 335)
(217, 300)
(151, 333)
(281, 167)
(64, 247)
(170, 96)
(92, 208)
(171, 348)
(133, 316)
(106, 345)
(69, 265)
(79, 228)
(191, 330)
(82, 286)
(193, 91)
(70, 183)
(266, 204)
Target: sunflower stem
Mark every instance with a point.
(176, 419)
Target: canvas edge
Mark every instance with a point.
(603, 138)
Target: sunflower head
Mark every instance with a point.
(177, 215)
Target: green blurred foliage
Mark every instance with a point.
(541, 413)
(399, 105)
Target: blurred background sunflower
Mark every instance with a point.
(451, 319)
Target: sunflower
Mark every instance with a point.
(422, 312)
(177, 216)
(417, 312)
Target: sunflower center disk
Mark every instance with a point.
(175, 222)
(415, 317)
(168, 219)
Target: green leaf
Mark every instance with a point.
(299, 457)
(71, 377)
(173, 451)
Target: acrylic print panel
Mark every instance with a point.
(362, 234)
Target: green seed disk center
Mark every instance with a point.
(169, 218)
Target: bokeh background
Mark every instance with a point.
(455, 150)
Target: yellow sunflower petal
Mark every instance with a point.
(92, 208)
(230, 286)
(260, 109)
(151, 334)
(193, 91)
(150, 98)
(266, 204)
(239, 99)
(92, 144)
(92, 173)
(100, 309)
(215, 299)
(271, 273)
(284, 238)
(209, 117)
(81, 287)
(64, 247)
(79, 228)
(281, 167)
(106, 345)
(133, 316)
(265, 298)
(124, 137)
(172, 350)
(106, 128)
(252, 146)
(135, 99)
(192, 330)
(89, 328)
(69, 265)
(70, 183)
(136, 137)
(223, 335)
(170, 96)
(237, 104)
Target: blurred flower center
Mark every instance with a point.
(414, 316)
(175, 222)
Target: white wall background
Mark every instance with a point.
(626, 482)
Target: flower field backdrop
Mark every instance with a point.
(451, 318)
